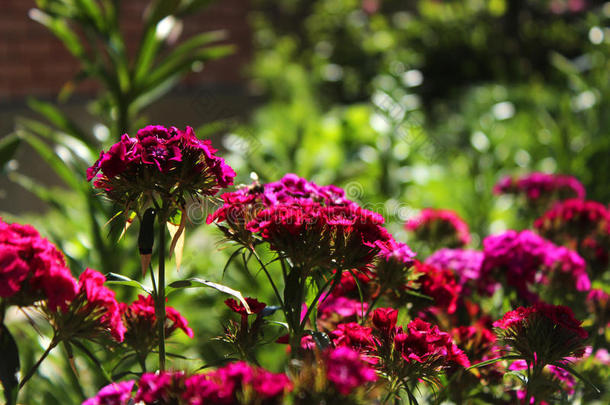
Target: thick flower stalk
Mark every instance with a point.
(152, 174)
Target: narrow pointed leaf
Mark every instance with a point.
(576, 374)
(9, 366)
(118, 279)
(199, 282)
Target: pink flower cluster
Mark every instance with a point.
(96, 307)
(580, 225)
(159, 157)
(440, 285)
(440, 225)
(538, 185)
(32, 269)
(465, 264)
(140, 320)
(524, 258)
(235, 383)
(346, 369)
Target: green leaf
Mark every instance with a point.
(57, 118)
(50, 157)
(487, 362)
(9, 366)
(118, 279)
(61, 30)
(576, 374)
(8, 148)
(199, 282)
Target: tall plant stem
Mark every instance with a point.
(35, 367)
(160, 296)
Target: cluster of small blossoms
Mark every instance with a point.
(32, 269)
(536, 186)
(583, 226)
(93, 312)
(440, 285)
(524, 258)
(235, 383)
(465, 264)
(315, 226)
(542, 334)
(479, 344)
(140, 321)
(418, 351)
(442, 227)
(168, 161)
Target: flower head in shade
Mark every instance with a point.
(465, 264)
(334, 309)
(113, 394)
(140, 321)
(169, 161)
(246, 334)
(538, 187)
(443, 228)
(32, 269)
(583, 226)
(92, 313)
(542, 334)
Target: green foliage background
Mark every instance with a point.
(405, 104)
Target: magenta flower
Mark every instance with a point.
(160, 159)
(113, 394)
(465, 264)
(158, 387)
(346, 369)
(255, 306)
(32, 269)
(542, 334)
(535, 186)
(440, 285)
(442, 227)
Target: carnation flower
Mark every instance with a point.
(536, 186)
(93, 312)
(255, 306)
(440, 285)
(465, 264)
(392, 264)
(525, 259)
(166, 160)
(583, 226)
(312, 235)
(336, 309)
(439, 228)
(542, 334)
(141, 323)
(113, 394)
(159, 387)
(346, 369)
(32, 269)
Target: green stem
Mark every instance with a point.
(160, 296)
(35, 367)
(275, 290)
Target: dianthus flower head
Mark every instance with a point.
(92, 313)
(32, 269)
(116, 393)
(465, 264)
(439, 228)
(392, 264)
(140, 321)
(347, 370)
(334, 309)
(312, 235)
(542, 334)
(440, 285)
(524, 259)
(541, 186)
(583, 226)
(255, 306)
(169, 161)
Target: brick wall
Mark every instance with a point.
(34, 62)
